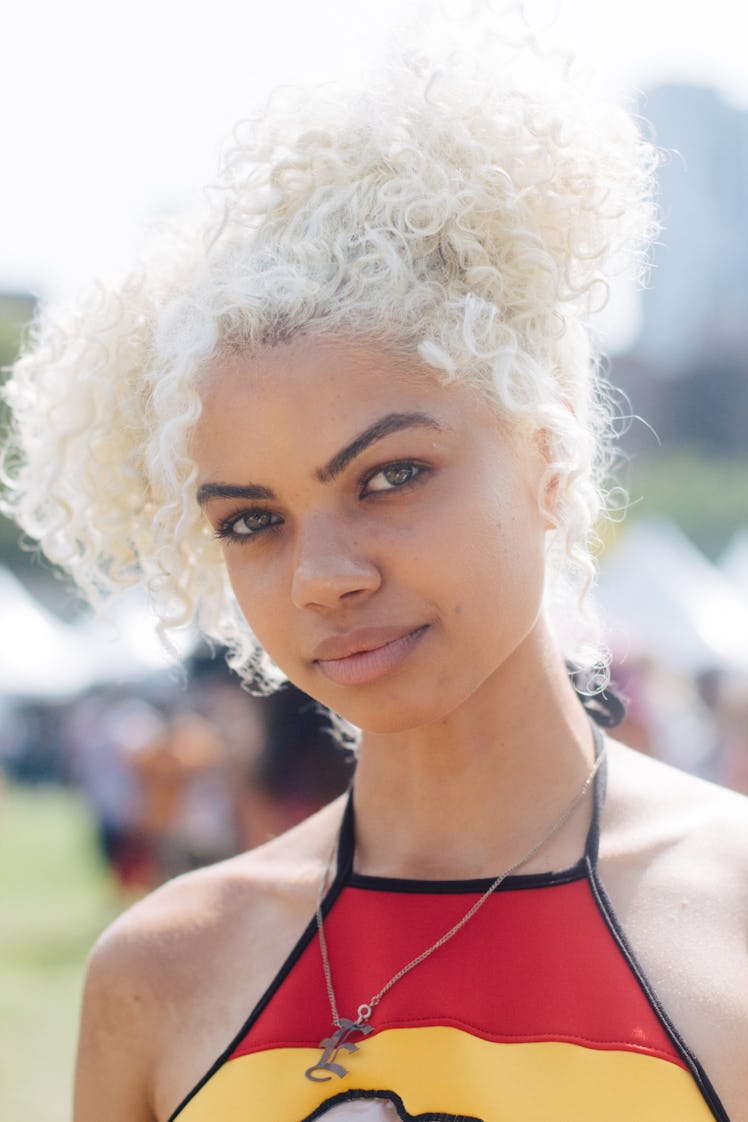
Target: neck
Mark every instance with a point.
(471, 795)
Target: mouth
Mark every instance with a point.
(365, 656)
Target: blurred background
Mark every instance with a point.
(118, 772)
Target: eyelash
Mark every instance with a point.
(225, 531)
(418, 469)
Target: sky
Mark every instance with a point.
(116, 114)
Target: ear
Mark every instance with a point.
(549, 491)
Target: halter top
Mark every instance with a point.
(535, 1011)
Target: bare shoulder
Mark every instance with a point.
(674, 861)
(674, 854)
(198, 952)
(654, 809)
(232, 898)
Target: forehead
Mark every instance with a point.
(311, 364)
(301, 402)
(317, 384)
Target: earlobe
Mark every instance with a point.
(544, 445)
(549, 497)
(550, 480)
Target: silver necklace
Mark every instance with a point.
(340, 1039)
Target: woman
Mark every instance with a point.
(359, 412)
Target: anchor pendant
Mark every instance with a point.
(332, 1046)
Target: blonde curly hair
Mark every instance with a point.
(470, 222)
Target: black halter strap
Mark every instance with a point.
(346, 836)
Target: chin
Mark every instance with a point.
(391, 714)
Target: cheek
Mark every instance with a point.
(497, 569)
(257, 598)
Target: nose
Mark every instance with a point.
(330, 566)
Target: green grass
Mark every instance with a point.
(55, 897)
(706, 496)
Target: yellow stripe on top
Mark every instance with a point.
(446, 1070)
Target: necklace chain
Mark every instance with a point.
(364, 1011)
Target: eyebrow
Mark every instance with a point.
(210, 491)
(392, 422)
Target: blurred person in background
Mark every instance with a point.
(732, 723)
(103, 735)
(353, 423)
(301, 767)
(188, 808)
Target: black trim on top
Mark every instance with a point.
(344, 875)
(457, 887)
(390, 1096)
(605, 907)
(303, 942)
(347, 845)
(592, 845)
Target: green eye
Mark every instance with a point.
(251, 523)
(397, 474)
(247, 525)
(393, 476)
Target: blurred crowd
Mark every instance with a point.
(698, 723)
(178, 774)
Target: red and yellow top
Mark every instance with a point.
(534, 1012)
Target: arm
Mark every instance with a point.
(162, 998)
(117, 1035)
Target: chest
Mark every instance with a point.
(533, 1009)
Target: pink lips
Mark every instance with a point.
(364, 656)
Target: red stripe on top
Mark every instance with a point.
(534, 964)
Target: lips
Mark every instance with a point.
(365, 655)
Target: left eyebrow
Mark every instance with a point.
(209, 491)
(392, 422)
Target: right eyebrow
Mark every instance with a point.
(384, 426)
(210, 491)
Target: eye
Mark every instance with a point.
(393, 477)
(247, 525)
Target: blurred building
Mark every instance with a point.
(697, 301)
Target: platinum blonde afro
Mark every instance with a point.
(472, 222)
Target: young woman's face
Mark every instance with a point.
(381, 532)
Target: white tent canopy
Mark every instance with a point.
(734, 562)
(40, 656)
(125, 640)
(662, 598)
